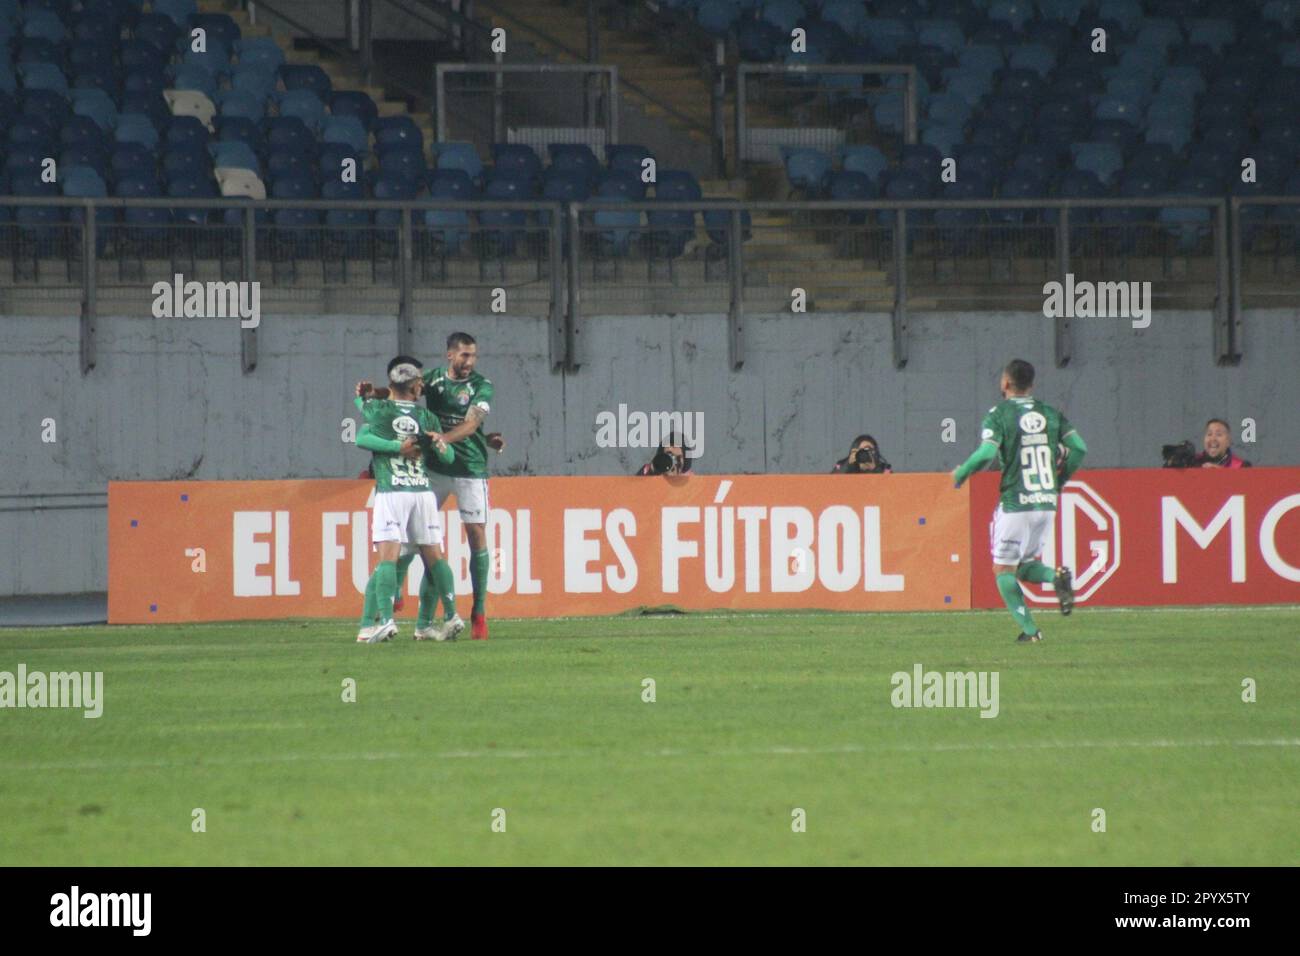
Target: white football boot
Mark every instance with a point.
(450, 629)
(381, 632)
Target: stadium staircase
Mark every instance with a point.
(774, 258)
(342, 75)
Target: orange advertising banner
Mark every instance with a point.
(240, 550)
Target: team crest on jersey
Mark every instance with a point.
(1032, 423)
(463, 398)
(406, 426)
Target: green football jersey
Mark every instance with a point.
(450, 399)
(1026, 433)
(398, 420)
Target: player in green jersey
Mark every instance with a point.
(1023, 435)
(462, 398)
(399, 433)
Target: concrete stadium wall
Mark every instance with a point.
(167, 400)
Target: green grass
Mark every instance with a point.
(1138, 713)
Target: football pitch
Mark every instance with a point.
(542, 746)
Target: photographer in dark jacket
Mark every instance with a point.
(864, 458)
(669, 459)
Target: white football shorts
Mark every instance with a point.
(471, 496)
(1018, 536)
(411, 517)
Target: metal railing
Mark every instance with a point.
(572, 262)
(599, 112)
(810, 105)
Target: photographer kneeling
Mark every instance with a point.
(864, 458)
(1216, 450)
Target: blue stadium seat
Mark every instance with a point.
(627, 158)
(619, 185)
(395, 132)
(359, 104)
(406, 162)
(462, 156)
(136, 128)
(242, 103)
(806, 169)
(255, 79)
(330, 162)
(219, 27)
(616, 229)
(96, 105)
(188, 76)
(234, 154)
(574, 158)
(260, 51)
(1104, 160)
(289, 162)
(129, 159)
(184, 161)
(306, 77)
(305, 105)
(347, 130)
(516, 160)
(290, 133)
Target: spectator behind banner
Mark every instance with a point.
(1216, 447)
(864, 458)
(669, 459)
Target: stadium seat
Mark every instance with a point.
(516, 160)
(360, 105)
(806, 169)
(462, 156)
(346, 130)
(396, 132)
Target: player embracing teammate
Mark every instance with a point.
(461, 399)
(399, 434)
(1023, 434)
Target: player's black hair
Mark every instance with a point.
(404, 360)
(1021, 373)
(458, 339)
(1220, 421)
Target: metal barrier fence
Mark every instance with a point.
(577, 103)
(820, 106)
(725, 257)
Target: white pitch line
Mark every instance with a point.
(773, 751)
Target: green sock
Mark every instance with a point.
(1014, 599)
(368, 609)
(403, 563)
(444, 585)
(385, 588)
(479, 563)
(1037, 572)
(428, 598)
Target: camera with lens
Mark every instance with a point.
(666, 463)
(1181, 455)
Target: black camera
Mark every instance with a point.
(1182, 455)
(865, 457)
(666, 463)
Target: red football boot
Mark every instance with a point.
(478, 627)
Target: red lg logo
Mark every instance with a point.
(1085, 538)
